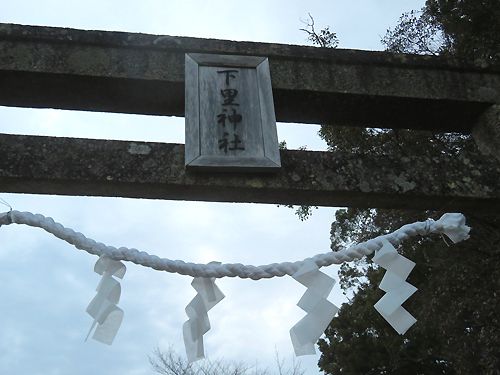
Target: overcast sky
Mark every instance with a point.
(47, 284)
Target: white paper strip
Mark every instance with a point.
(197, 311)
(107, 316)
(397, 289)
(320, 311)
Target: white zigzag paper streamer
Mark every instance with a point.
(107, 316)
(320, 311)
(198, 323)
(396, 287)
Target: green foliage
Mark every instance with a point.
(376, 141)
(472, 26)
(468, 30)
(417, 33)
(303, 212)
(282, 145)
(457, 304)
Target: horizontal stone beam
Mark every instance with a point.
(72, 166)
(137, 73)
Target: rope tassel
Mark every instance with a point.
(320, 311)
(107, 316)
(453, 226)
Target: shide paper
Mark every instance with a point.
(397, 289)
(107, 316)
(320, 311)
(198, 324)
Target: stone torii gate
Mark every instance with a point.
(45, 67)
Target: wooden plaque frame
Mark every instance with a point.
(263, 154)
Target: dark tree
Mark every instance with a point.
(468, 30)
(457, 304)
(418, 33)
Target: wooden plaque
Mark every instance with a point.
(230, 120)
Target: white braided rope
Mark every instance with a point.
(448, 223)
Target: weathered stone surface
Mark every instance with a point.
(69, 166)
(137, 73)
(486, 133)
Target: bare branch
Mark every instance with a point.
(325, 37)
(171, 363)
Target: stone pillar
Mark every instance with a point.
(486, 132)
